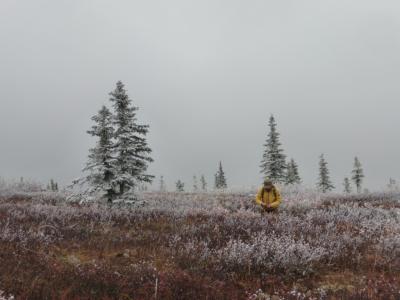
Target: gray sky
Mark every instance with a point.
(206, 76)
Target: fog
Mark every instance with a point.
(206, 76)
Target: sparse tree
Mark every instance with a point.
(358, 174)
(203, 183)
(347, 185)
(162, 184)
(220, 180)
(393, 186)
(52, 186)
(195, 184)
(101, 164)
(273, 164)
(132, 151)
(180, 186)
(324, 182)
(292, 173)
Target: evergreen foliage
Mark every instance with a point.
(358, 174)
(273, 164)
(131, 149)
(118, 164)
(347, 185)
(101, 164)
(195, 184)
(220, 179)
(180, 186)
(52, 186)
(203, 183)
(324, 182)
(163, 187)
(292, 173)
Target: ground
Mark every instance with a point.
(200, 246)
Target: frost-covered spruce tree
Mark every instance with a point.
(101, 166)
(180, 186)
(324, 182)
(132, 151)
(358, 174)
(273, 164)
(347, 185)
(203, 183)
(220, 179)
(292, 173)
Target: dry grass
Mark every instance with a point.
(208, 246)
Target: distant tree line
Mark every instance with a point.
(117, 164)
(274, 165)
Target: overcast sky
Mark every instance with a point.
(206, 75)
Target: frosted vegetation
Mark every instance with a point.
(223, 235)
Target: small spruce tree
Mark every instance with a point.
(203, 183)
(180, 186)
(220, 180)
(101, 164)
(195, 184)
(393, 186)
(358, 174)
(52, 186)
(162, 185)
(347, 185)
(292, 173)
(273, 164)
(324, 182)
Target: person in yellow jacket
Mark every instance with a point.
(269, 197)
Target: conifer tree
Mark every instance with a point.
(195, 184)
(358, 174)
(101, 163)
(180, 186)
(132, 151)
(273, 163)
(220, 180)
(203, 183)
(347, 185)
(292, 173)
(324, 182)
(392, 186)
(162, 184)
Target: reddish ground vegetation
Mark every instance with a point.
(210, 246)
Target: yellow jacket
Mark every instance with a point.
(273, 198)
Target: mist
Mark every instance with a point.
(206, 75)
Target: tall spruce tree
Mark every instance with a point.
(324, 182)
(220, 179)
(132, 151)
(347, 185)
(273, 164)
(358, 174)
(101, 165)
(292, 173)
(203, 183)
